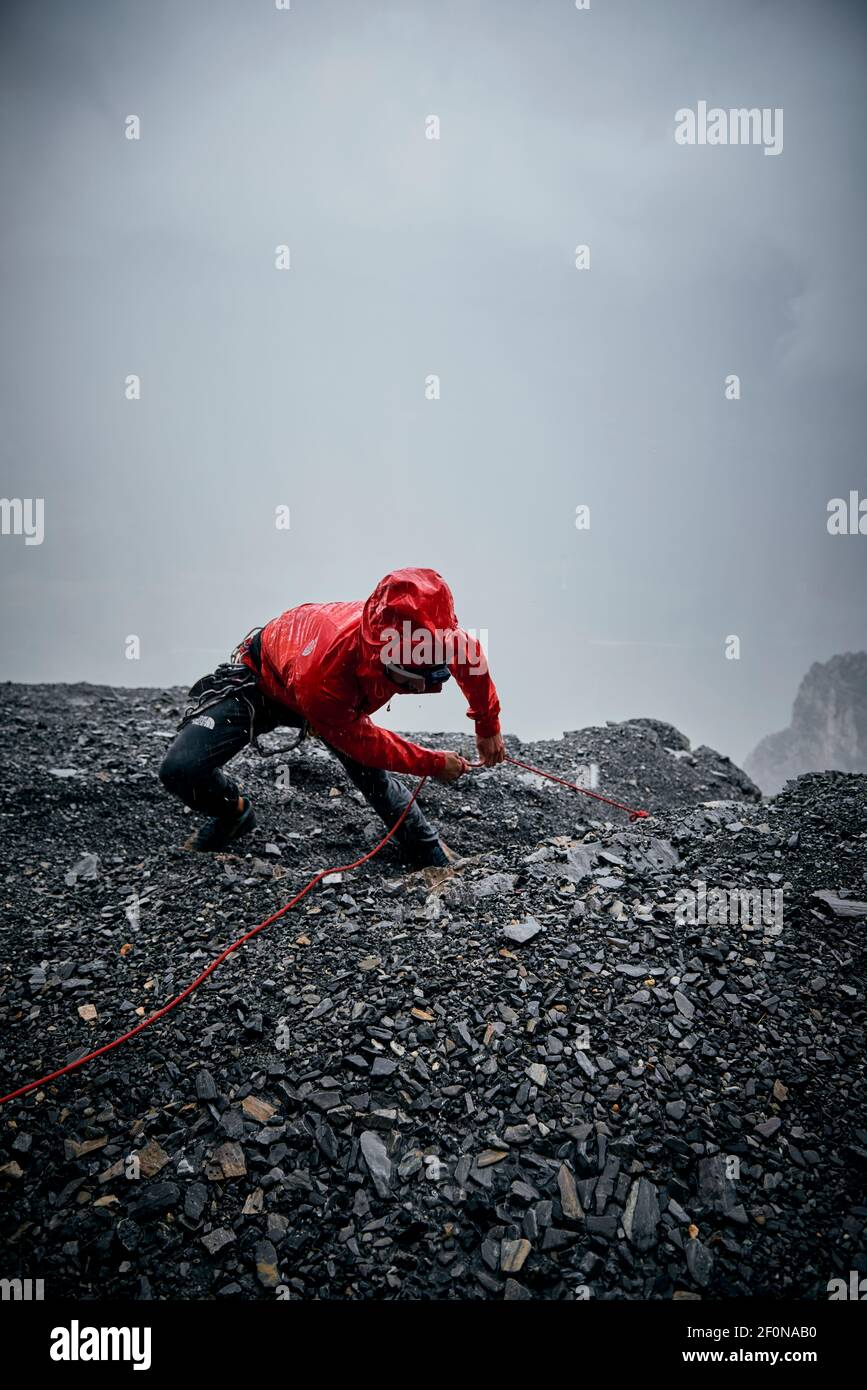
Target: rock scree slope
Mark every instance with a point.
(521, 1077)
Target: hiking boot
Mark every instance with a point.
(220, 831)
(425, 856)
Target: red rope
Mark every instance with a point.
(340, 869)
(630, 810)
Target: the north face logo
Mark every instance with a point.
(204, 721)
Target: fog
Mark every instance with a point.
(411, 258)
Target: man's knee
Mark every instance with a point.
(175, 771)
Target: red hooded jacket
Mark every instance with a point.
(323, 661)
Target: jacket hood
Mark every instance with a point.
(417, 596)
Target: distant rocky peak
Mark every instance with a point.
(828, 731)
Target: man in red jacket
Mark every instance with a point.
(328, 667)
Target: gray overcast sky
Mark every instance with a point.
(412, 256)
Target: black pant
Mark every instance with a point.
(191, 768)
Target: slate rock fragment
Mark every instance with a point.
(641, 1215)
(378, 1162)
(699, 1261)
(217, 1240)
(156, 1199)
(522, 932)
